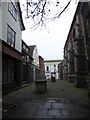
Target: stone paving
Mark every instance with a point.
(49, 108)
(62, 106)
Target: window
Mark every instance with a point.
(54, 66)
(11, 36)
(23, 57)
(27, 58)
(12, 10)
(47, 68)
(26, 49)
(8, 71)
(24, 46)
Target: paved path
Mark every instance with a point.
(61, 100)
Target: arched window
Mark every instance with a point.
(47, 68)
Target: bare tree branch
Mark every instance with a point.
(64, 9)
(43, 11)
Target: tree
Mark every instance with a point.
(43, 11)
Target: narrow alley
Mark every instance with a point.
(61, 100)
(44, 73)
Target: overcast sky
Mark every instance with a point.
(50, 42)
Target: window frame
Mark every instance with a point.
(47, 68)
(8, 71)
(11, 36)
(12, 10)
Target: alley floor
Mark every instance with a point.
(61, 100)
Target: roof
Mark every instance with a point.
(31, 50)
(41, 57)
(23, 27)
(52, 60)
(61, 62)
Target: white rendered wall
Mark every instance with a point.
(15, 25)
(0, 20)
(35, 56)
(51, 68)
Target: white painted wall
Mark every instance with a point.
(15, 25)
(0, 19)
(35, 56)
(48, 75)
(0, 59)
(51, 68)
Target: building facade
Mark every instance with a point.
(27, 64)
(51, 68)
(11, 25)
(37, 64)
(60, 70)
(42, 67)
(34, 54)
(41, 63)
(77, 46)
